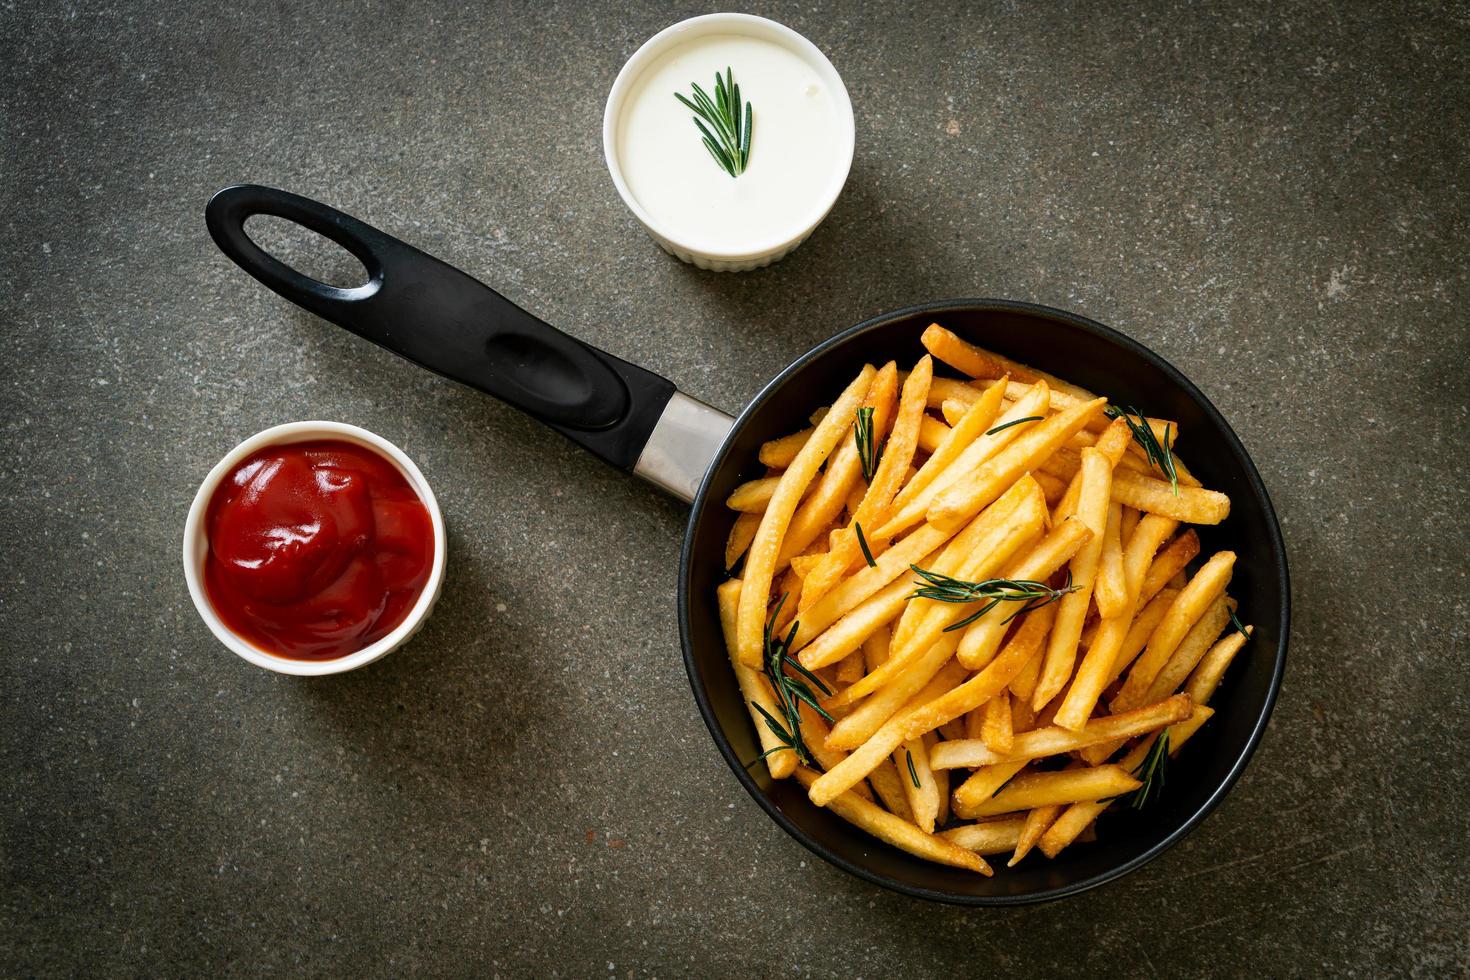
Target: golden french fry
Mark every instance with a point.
(1206, 676)
(987, 837)
(980, 363)
(932, 434)
(981, 413)
(953, 390)
(1007, 429)
(1191, 603)
(1037, 820)
(912, 759)
(1141, 550)
(1067, 786)
(1023, 719)
(954, 411)
(802, 565)
(753, 495)
(779, 453)
(760, 566)
(1114, 441)
(983, 636)
(895, 830)
(1092, 674)
(1191, 650)
(952, 729)
(887, 783)
(983, 785)
(1024, 683)
(875, 648)
(1139, 631)
(1193, 505)
(814, 733)
(966, 498)
(1131, 517)
(1092, 510)
(1184, 730)
(996, 731)
(781, 761)
(742, 533)
(1167, 563)
(849, 669)
(1053, 740)
(1110, 591)
(1053, 488)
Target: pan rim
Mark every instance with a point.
(1278, 561)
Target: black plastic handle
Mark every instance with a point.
(436, 316)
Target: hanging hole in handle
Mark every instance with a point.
(310, 253)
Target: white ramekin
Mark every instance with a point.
(703, 254)
(196, 547)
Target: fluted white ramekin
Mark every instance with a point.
(709, 255)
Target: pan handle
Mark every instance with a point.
(438, 317)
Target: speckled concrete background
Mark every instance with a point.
(1272, 196)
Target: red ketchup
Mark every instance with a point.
(316, 549)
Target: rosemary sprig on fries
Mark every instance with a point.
(790, 691)
(1151, 770)
(863, 544)
(863, 435)
(1158, 454)
(945, 588)
(1006, 425)
(1238, 626)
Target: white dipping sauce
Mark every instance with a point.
(795, 151)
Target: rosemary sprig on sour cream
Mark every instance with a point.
(726, 138)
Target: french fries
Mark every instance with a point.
(1017, 615)
(895, 830)
(1050, 788)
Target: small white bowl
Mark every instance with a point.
(702, 254)
(196, 547)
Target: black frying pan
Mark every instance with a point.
(442, 319)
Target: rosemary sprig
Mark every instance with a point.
(1238, 626)
(1158, 454)
(863, 544)
(863, 435)
(790, 691)
(1151, 771)
(913, 773)
(945, 588)
(1006, 782)
(726, 138)
(1007, 425)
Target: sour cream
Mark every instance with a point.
(800, 149)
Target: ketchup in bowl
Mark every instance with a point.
(316, 549)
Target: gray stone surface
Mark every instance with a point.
(1273, 196)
